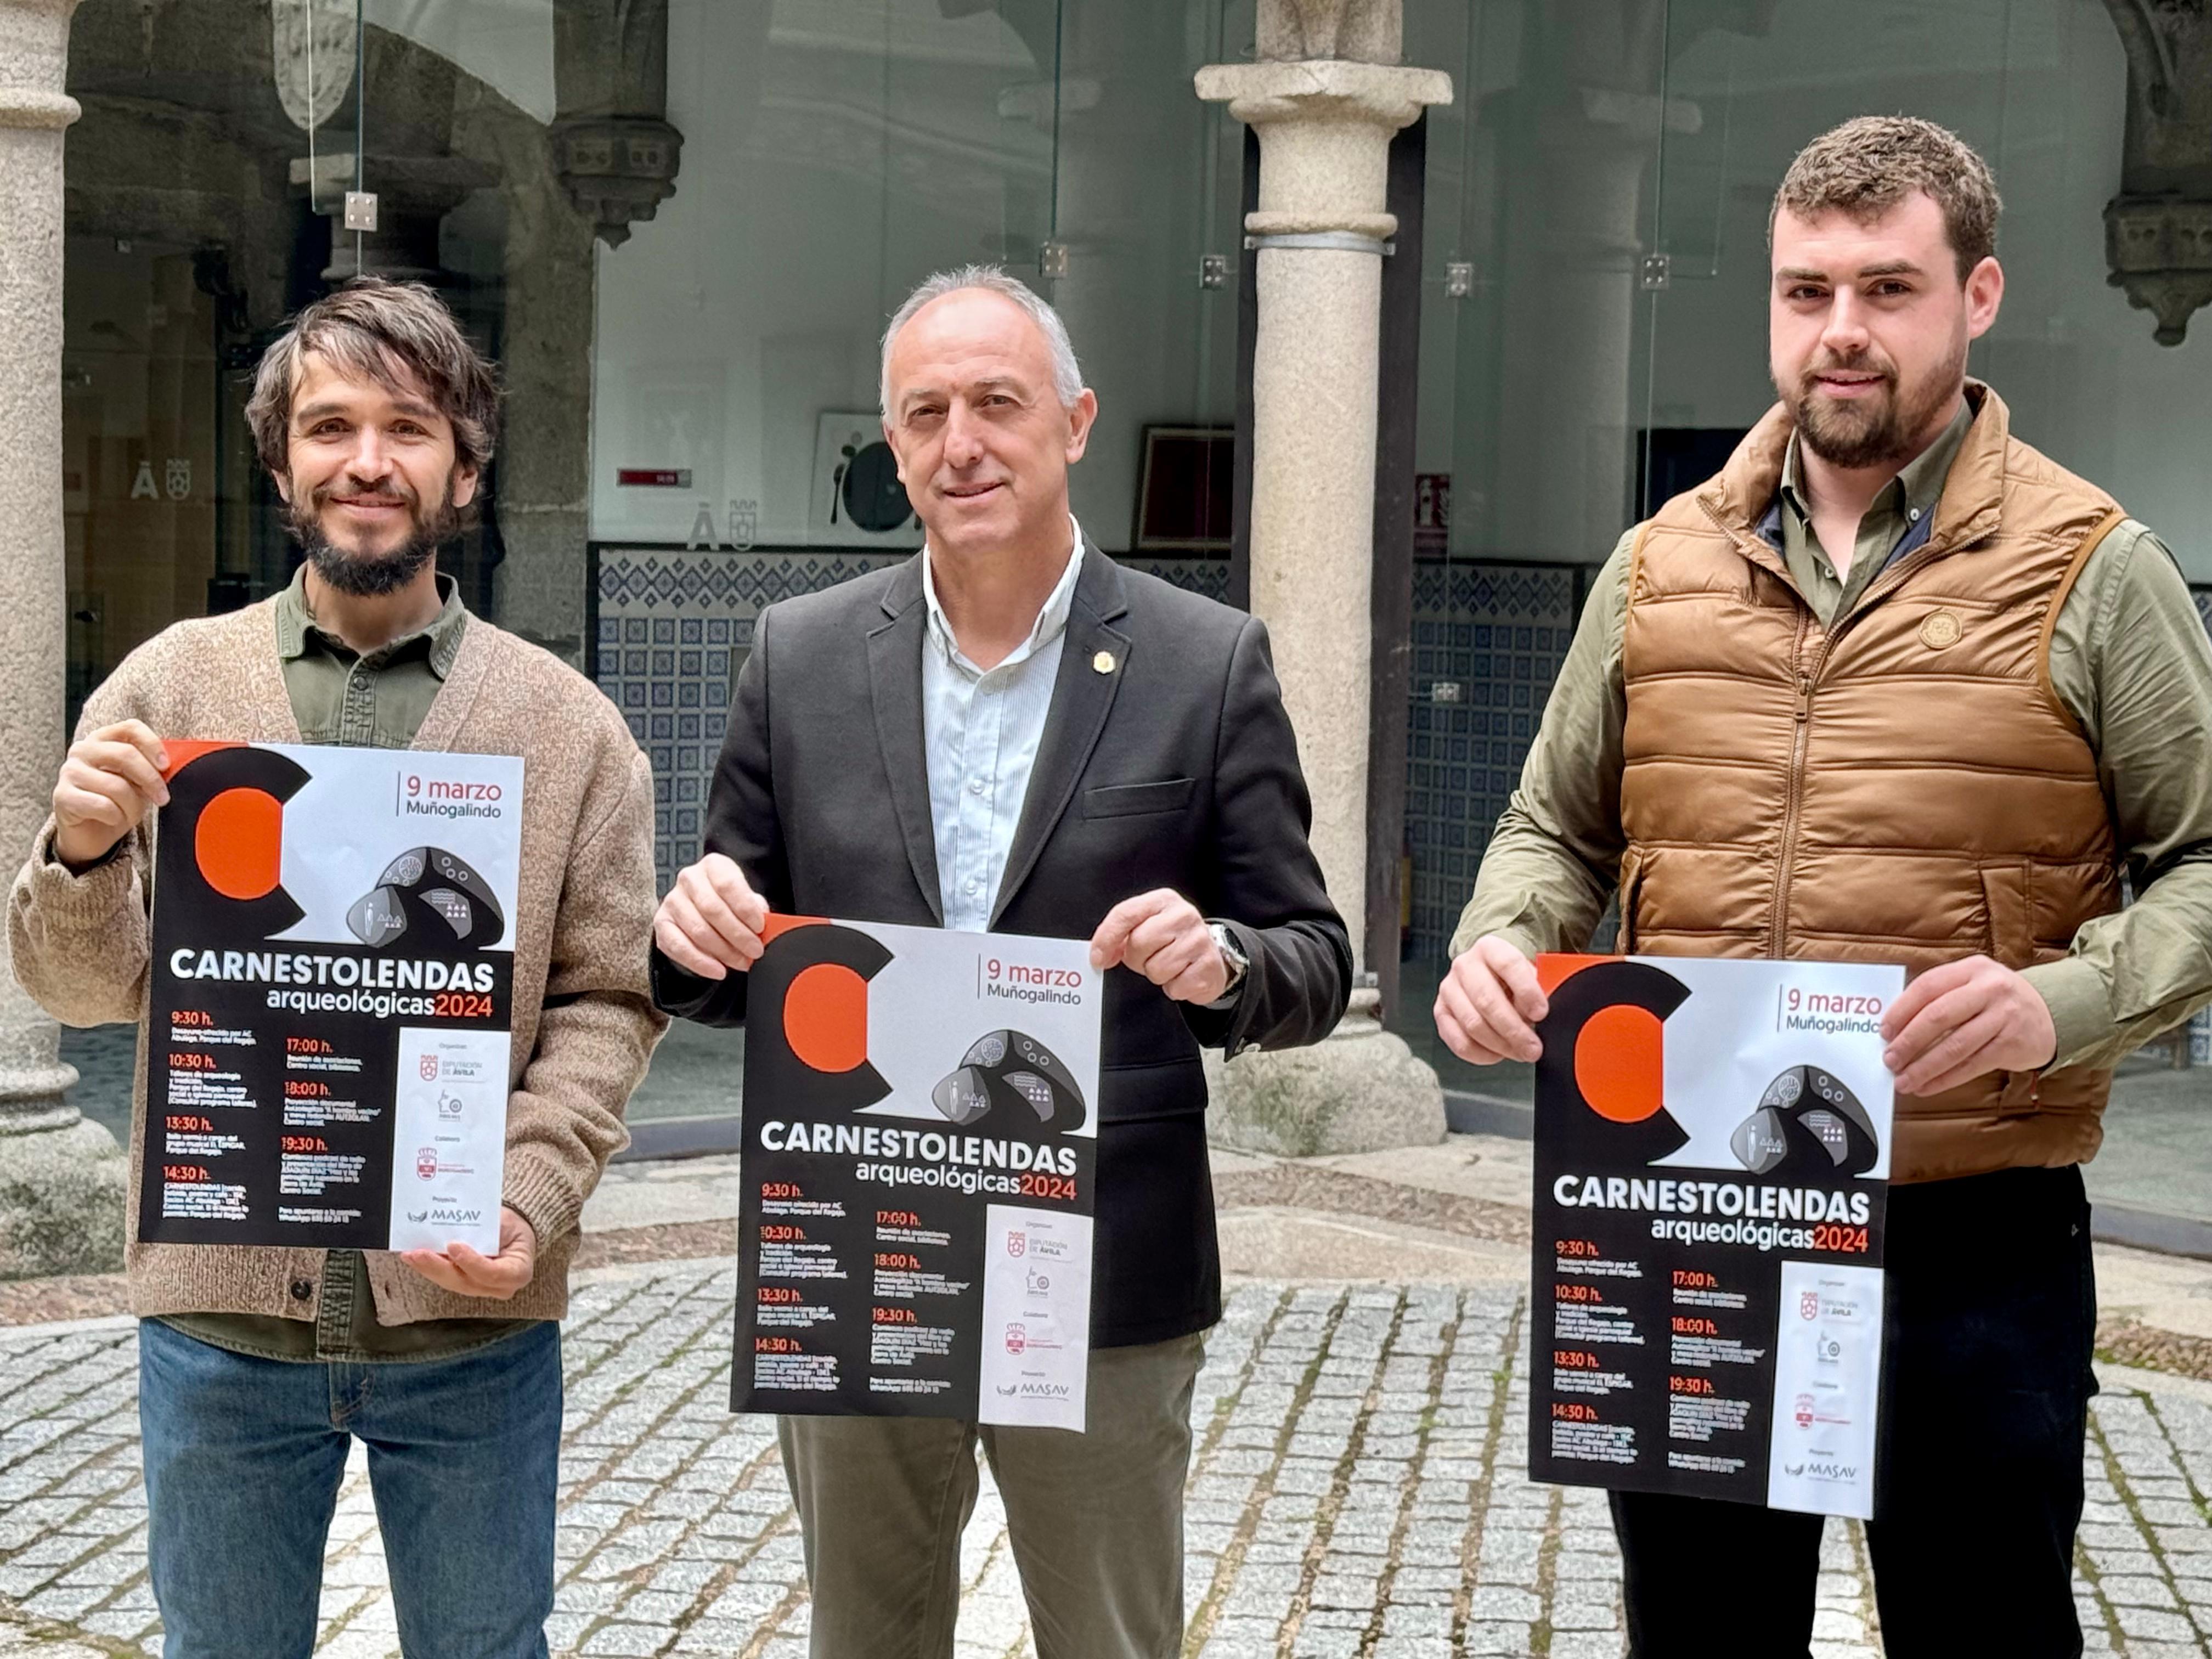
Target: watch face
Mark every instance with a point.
(1231, 952)
(1233, 958)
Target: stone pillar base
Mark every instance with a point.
(1360, 1091)
(62, 1186)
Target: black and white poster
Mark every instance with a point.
(333, 962)
(920, 1132)
(1712, 1155)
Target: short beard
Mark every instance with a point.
(372, 575)
(1853, 437)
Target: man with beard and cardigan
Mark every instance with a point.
(258, 1366)
(1892, 687)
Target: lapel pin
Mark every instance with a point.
(1102, 663)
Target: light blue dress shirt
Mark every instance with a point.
(981, 731)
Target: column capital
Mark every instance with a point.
(1325, 127)
(33, 64)
(1323, 91)
(38, 12)
(30, 107)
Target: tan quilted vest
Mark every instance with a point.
(1904, 788)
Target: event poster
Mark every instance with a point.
(1712, 1157)
(333, 963)
(920, 1134)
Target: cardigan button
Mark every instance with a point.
(302, 1289)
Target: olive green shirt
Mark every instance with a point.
(373, 700)
(1892, 515)
(2129, 660)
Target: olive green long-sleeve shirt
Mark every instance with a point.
(2129, 658)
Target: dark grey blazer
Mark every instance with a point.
(1176, 769)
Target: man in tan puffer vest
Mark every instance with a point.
(1892, 687)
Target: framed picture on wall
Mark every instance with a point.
(1183, 489)
(858, 500)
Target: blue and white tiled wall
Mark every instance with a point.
(1499, 634)
(674, 627)
(1207, 576)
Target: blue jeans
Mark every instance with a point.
(244, 1458)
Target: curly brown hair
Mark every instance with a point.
(398, 335)
(1869, 165)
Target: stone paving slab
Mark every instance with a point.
(1358, 1490)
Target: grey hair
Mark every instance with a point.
(1067, 373)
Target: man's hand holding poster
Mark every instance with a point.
(921, 1130)
(1713, 1153)
(327, 1057)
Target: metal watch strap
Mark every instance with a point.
(1232, 953)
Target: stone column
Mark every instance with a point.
(1325, 97)
(61, 1175)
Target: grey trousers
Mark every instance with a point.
(1095, 1519)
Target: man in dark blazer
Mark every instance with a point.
(1010, 732)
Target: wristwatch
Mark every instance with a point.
(1232, 957)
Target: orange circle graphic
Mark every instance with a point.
(239, 842)
(825, 1016)
(1617, 1063)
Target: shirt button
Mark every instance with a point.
(971, 886)
(302, 1289)
(975, 786)
(1912, 515)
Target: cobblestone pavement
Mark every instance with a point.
(1358, 1490)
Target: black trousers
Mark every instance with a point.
(1991, 1305)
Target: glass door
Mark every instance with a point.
(1543, 182)
(2043, 91)
(834, 156)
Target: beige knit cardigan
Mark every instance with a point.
(584, 1024)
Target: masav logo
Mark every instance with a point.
(224, 835)
(1821, 1469)
(1604, 1046)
